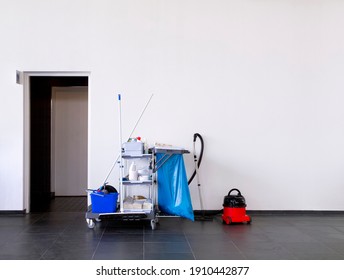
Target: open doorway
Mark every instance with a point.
(57, 139)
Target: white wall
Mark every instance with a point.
(260, 80)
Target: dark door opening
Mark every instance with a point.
(40, 136)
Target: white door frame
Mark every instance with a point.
(26, 121)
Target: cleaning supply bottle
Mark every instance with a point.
(145, 146)
(133, 172)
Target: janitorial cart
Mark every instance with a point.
(124, 203)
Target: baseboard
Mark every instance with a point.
(273, 212)
(207, 212)
(12, 212)
(71, 196)
(295, 212)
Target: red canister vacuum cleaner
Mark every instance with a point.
(234, 209)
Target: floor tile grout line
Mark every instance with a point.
(143, 242)
(59, 236)
(95, 250)
(187, 240)
(52, 244)
(238, 249)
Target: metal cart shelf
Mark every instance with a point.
(121, 212)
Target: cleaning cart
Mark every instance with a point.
(140, 172)
(138, 198)
(127, 205)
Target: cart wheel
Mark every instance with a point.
(90, 223)
(156, 219)
(98, 220)
(153, 224)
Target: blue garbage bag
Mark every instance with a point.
(173, 189)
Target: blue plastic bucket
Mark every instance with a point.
(104, 203)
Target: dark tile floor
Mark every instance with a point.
(65, 235)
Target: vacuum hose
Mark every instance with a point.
(200, 156)
(197, 135)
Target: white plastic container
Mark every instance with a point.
(133, 172)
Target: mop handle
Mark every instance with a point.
(120, 122)
(120, 154)
(144, 109)
(137, 122)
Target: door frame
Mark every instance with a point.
(26, 123)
